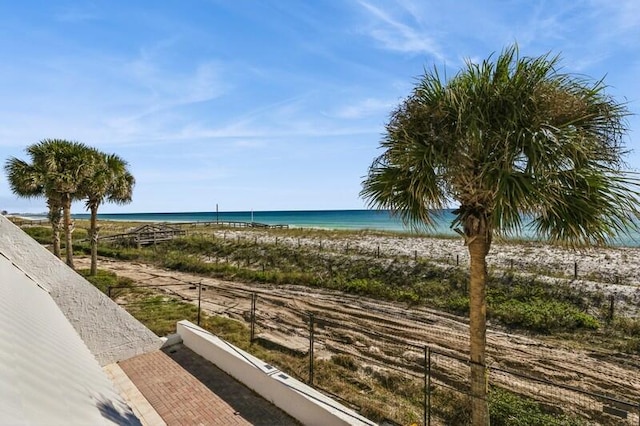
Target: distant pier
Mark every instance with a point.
(232, 224)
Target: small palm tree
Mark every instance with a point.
(110, 181)
(506, 140)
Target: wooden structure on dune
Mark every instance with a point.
(146, 234)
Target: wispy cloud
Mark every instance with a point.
(394, 34)
(76, 14)
(364, 108)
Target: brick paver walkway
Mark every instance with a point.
(186, 390)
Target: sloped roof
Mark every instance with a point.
(110, 333)
(48, 376)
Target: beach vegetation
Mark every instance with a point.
(507, 139)
(41, 234)
(515, 301)
(509, 409)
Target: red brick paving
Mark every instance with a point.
(186, 390)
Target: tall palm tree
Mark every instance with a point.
(57, 170)
(506, 140)
(31, 180)
(71, 163)
(110, 181)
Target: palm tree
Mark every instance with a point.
(506, 140)
(57, 170)
(30, 180)
(110, 181)
(71, 163)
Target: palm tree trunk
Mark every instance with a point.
(66, 208)
(54, 219)
(94, 239)
(478, 249)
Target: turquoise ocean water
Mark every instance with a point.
(381, 220)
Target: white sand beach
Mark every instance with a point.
(612, 271)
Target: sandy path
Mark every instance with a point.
(392, 334)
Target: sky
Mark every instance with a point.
(267, 104)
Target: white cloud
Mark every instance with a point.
(75, 15)
(396, 35)
(364, 108)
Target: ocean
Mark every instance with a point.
(328, 219)
(381, 220)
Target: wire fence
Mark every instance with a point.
(435, 373)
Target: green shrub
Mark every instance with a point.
(542, 315)
(42, 234)
(80, 234)
(509, 409)
(105, 279)
(457, 304)
(365, 286)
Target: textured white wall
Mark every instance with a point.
(110, 333)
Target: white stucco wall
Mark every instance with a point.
(110, 333)
(47, 374)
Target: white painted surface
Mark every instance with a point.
(48, 376)
(110, 333)
(295, 398)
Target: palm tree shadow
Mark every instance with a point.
(123, 416)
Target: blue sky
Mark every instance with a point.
(266, 104)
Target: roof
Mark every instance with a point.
(48, 376)
(110, 332)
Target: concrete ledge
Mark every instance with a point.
(298, 400)
(170, 340)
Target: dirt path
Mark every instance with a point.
(392, 334)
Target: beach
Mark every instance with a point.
(612, 271)
(569, 370)
(352, 320)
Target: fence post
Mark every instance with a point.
(378, 251)
(457, 260)
(254, 296)
(199, 299)
(426, 420)
(311, 341)
(415, 255)
(109, 292)
(612, 301)
(575, 270)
